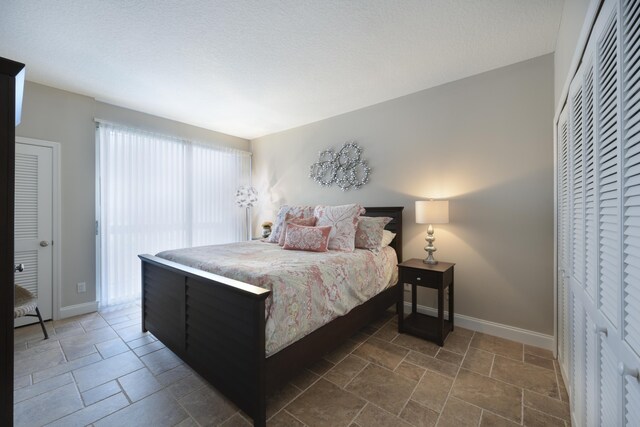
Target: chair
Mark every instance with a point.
(25, 303)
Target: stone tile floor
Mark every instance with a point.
(100, 369)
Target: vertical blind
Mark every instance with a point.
(157, 192)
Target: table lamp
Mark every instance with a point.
(431, 212)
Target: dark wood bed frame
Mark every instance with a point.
(216, 325)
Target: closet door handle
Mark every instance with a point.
(600, 330)
(624, 371)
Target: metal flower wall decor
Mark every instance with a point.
(346, 168)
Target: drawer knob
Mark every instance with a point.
(418, 278)
(601, 330)
(625, 370)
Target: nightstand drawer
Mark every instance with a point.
(418, 277)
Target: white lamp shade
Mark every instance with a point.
(432, 212)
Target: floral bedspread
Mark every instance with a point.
(309, 289)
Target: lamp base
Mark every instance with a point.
(430, 248)
(429, 260)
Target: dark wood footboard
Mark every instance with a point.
(215, 324)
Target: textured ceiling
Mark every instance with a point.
(250, 68)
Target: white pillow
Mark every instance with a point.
(387, 238)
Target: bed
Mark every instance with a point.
(217, 324)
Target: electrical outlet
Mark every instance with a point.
(82, 287)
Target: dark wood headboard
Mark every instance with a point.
(395, 226)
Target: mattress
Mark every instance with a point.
(308, 289)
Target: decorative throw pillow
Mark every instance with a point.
(387, 238)
(344, 221)
(370, 230)
(303, 238)
(295, 211)
(290, 219)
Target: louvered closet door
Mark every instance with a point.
(33, 224)
(577, 183)
(577, 243)
(608, 194)
(599, 223)
(566, 327)
(567, 319)
(631, 205)
(563, 237)
(608, 165)
(570, 344)
(610, 387)
(578, 397)
(588, 293)
(592, 372)
(590, 195)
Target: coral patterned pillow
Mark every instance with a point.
(370, 230)
(290, 219)
(303, 238)
(344, 220)
(295, 211)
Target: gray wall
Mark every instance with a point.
(573, 15)
(64, 117)
(484, 143)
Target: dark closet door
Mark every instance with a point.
(10, 87)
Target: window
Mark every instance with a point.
(156, 193)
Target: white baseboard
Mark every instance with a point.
(78, 309)
(503, 331)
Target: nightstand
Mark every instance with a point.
(439, 277)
